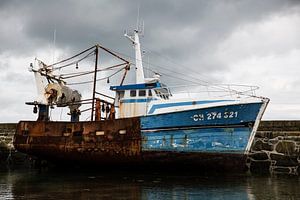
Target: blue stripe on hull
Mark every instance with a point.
(189, 103)
(221, 140)
(137, 100)
(221, 115)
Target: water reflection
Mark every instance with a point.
(32, 184)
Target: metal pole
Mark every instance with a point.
(95, 79)
(126, 70)
(98, 110)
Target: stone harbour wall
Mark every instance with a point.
(276, 147)
(8, 155)
(7, 131)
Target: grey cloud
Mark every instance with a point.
(16, 78)
(187, 32)
(81, 23)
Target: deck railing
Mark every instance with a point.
(214, 91)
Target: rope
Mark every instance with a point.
(74, 62)
(90, 72)
(85, 82)
(72, 56)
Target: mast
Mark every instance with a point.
(140, 78)
(95, 83)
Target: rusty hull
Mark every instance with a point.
(107, 143)
(80, 141)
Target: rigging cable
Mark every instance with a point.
(204, 83)
(75, 62)
(172, 61)
(90, 72)
(72, 56)
(100, 79)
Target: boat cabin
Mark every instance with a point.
(134, 100)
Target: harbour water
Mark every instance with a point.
(118, 184)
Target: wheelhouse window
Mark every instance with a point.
(132, 93)
(163, 93)
(142, 93)
(149, 93)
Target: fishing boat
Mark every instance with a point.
(142, 124)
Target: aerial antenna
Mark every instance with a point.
(134, 39)
(54, 44)
(139, 24)
(142, 28)
(138, 17)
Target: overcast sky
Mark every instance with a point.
(255, 42)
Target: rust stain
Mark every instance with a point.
(117, 142)
(79, 141)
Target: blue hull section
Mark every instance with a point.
(223, 129)
(222, 115)
(221, 140)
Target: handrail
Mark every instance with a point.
(214, 89)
